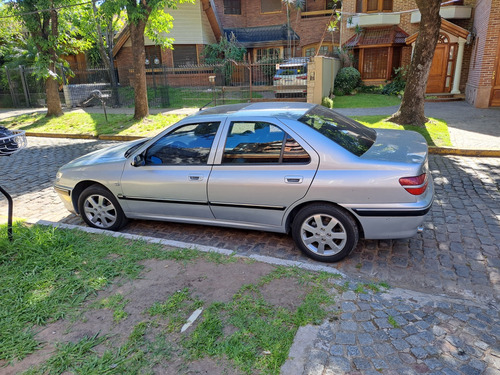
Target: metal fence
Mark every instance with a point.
(187, 86)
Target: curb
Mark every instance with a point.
(102, 137)
(188, 245)
(124, 138)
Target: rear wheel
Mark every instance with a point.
(100, 209)
(325, 232)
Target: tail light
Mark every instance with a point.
(302, 77)
(415, 185)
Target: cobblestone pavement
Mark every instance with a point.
(399, 332)
(458, 255)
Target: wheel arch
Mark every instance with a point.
(79, 188)
(293, 213)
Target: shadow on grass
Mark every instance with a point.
(92, 124)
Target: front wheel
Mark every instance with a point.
(324, 232)
(100, 209)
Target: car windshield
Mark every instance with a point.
(351, 135)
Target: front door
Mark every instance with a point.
(173, 180)
(437, 73)
(495, 91)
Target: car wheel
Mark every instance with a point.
(100, 209)
(324, 232)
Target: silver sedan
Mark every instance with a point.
(279, 167)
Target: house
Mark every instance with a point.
(466, 61)
(265, 27)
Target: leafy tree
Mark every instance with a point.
(224, 54)
(48, 25)
(99, 24)
(146, 17)
(411, 111)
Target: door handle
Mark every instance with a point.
(293, 179)
(195, 177)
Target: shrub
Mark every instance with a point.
(327, 102)
(347, 80)
(398, 84)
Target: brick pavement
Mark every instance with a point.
(458, 253)
(392, 332)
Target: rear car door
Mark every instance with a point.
(261, 168)
(173, 179)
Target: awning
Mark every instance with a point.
(392, 35)
(263, 36)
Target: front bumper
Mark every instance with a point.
(65, 195)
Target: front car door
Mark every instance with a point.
(172, 180)
(261, 168)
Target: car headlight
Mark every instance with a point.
(58, 176)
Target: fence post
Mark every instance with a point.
(25, 88)
(251, 79)
(13, 95)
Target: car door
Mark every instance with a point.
(171, 180)
(260, 170)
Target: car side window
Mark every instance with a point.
(261, 143)
(188, 144)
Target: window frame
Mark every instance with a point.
(271, 11)
(287, 137)
(209, 155)
(230, 4)
(197, 61)
(380, 7)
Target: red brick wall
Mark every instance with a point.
(309, 30)
(484, 49)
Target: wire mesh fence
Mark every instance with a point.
(186, 86)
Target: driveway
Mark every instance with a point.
(458, 253)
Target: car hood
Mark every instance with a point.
(399, 146)
(106, 155)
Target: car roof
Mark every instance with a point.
(293, 110)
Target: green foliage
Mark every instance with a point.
(346, 81)
(327, 102)
(398, 84)
(223, 55)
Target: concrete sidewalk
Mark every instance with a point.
(470, 128)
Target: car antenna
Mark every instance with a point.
(203, 107)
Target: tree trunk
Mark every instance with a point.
(411, 111)
(139, 53)
(51, 85)
(52, 91)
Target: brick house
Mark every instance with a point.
(259, 25)
(467, 57)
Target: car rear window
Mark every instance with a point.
(351, 135)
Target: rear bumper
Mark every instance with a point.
(392, 222)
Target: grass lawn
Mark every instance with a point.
(363, 100)
(142, 295)
(435, 131)
(91, 124)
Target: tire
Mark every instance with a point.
(100, 209)
(324, 232)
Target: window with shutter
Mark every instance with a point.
(185, 55)
(268, 6)
(232, 6)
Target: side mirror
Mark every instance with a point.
(138, 161)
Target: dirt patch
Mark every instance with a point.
(206, 281)
(287, 293)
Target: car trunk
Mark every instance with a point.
(398, 146)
